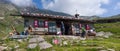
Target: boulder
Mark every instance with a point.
(106, 36)
(103, 50)
(35, 40)
(32, 45)
(18, 36)
(20, 40)
(65, 43)
(16, 46)
(2, 48)
(111, 50)
(40, 39)
(82, 38)
(44, 45)
(100, 33)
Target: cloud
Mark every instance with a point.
(83, 7)
(22, 3)
(117, 6)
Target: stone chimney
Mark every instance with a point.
(76, 15)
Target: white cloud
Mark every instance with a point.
(22, 2)
(84, 7)
(117, 6)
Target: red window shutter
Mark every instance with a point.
(46, 24)
(36, 23)
(80, 25)
(87, 27)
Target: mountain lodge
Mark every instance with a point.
(54, 24)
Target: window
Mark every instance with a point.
(52, 26)
(77, 29)
(41, 23)
(26, 23)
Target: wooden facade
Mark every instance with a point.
(52, 24)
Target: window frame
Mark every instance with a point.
(52, 27)
(41, 23)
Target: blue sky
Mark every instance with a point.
(111, 8)
(102, 8)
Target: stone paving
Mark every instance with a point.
(40, 42)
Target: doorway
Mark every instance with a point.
(67, 28)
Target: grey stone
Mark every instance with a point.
(106, 36)
(109, 33)
(18, 36)
(40, 39)
(4, 44)
(32, 40)
(111, 50)
(35, 40)
(44, 45)
(20, 40)
(65, 43)
(82, 38)
(103, 50)
(32, 45)
(99, 47)
(2, 48)
(17, 46)
(100, 33)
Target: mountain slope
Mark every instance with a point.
(6, 8)
(44, 11)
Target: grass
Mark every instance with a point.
(91, 45)
(108, 27)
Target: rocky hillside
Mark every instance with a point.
(6, 8)
(44, 11)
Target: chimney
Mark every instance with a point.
(76, 15)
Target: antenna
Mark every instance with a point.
(76, 15)
(76, 11)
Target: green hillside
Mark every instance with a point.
(5, 25)
(108, 27)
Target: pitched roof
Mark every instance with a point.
(48, 16)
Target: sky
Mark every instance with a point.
(103, 8)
